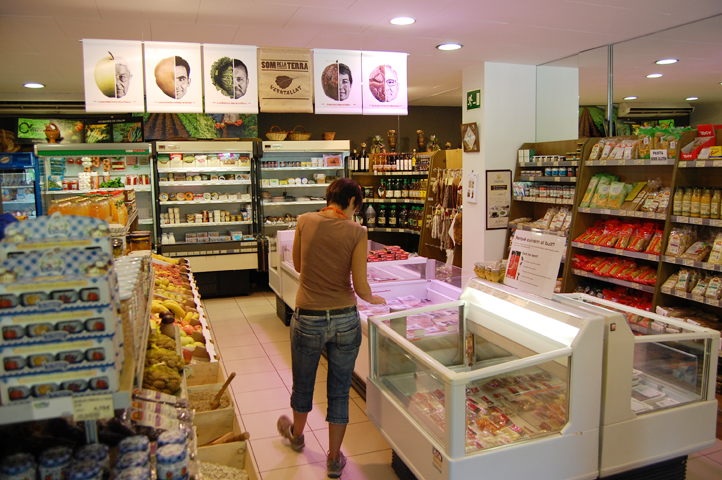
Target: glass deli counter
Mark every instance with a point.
(658, 385)
(519, 379)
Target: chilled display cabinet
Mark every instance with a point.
(20, 183)
(519, 379)
(658, 386)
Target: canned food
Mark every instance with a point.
(562, 171)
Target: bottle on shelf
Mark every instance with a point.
(694, 205)
(405, 189)
(382, 190)
(705, 203)
(687, 202)
(354, 162)
(381, 216)
(420, 221)
(677, 201)
(392, 219)
(714, 208)
(412, 218)
(403, 217)
(397, 188)
(370, 216)
(366, 161)
(413, 161)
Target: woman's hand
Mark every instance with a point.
(376, 300)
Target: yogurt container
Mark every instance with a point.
(172, 462)
(134, 473)
(20, 466)
(132, 459)
(54, 462)
(85, 470)
(171, 437)
(97, 453)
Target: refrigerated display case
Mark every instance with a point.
(658, 389)
(292, 180)
(205, 204)
(20, 183)
(514, 394)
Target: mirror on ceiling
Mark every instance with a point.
(593, 74)
(688, 90)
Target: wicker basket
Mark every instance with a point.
(296, 135)
(329, 135)
(276, 135)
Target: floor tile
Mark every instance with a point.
(250, 365)
(251, 382)
(231, 329)
(317, 416)
(301, 472)
(375, 466)
(271, 336)
(225, 315)
(262, 400)
(323, 360)
(266, 318)
(703, 468)
(360, 403)
(287, 376)
(256, 302)
(219, 302)
(242, 352)
(227, 341)
(716, 456)
(257, 309)
(263, 424)
(281, 362)
(278, 348)
(360, 438)
(714, 448)
(274, 453)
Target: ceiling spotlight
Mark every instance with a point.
(34, 85)
(449, 46)
(402, 21)
(654, 75)
(691, 98)
(666, 61)
(630, 98)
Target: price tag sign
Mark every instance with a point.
(701, 163)
(688, 263)
(636, 286)
(602, 162)
(716, 223)
(639, 162)
(555, 163)
(717, 163)
(696, 221)
(93, 407)
(658, 156)
(606, 211)
(557, 179)
(597, 248)
(622, 162)
(618, 251)
(652, 257)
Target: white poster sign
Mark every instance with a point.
(230, 78)
(534, 262)
(113, 76)
(385, 89)
(337, 81)
(173, 77)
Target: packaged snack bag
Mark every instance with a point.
(646, 142)
(626, 234)
(697, 251)
(663, 197)
(608, 147)
(701, 287)
(714, 289)
(641, 238)
(715, 256)
(670, 282)
(680, 240)
(655, 244)
(617, 194)
(682, 284)
(597, 150)
(601, 196)
(591, 188)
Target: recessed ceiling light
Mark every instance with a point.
(630, 98)
(691, 98)
(654, 75)
(449, 46)
(666, 61)
(402, 21)
(34, 85)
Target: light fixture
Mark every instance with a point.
(449, 46)
(630, 98)
(402, 21)
(691, 98)
(666, 61)
(654, 75)
(34, 85)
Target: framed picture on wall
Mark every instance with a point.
(470, 137)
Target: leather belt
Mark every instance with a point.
(322, 313)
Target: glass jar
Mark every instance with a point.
(171, 437)
(85, 470)
(96, 454)
(172, 462)
(139, 241)
(134, 473)
(714, 208)
(132, 459)
(20, 466)
(54, 462)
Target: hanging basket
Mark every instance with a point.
(299, 135)
(276, 135)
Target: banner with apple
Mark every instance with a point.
(173, 77)
(113, 75)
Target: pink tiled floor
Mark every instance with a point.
(254, 343)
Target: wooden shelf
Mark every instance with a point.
(712, 222)
(545, 179)
(556, 201)
(538, 230)
(623, 213)
(689, 296)
(699, 164)
(617, 251)
(616, 281)
(692, 263)
(628, 163)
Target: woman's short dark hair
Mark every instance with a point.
(341, 191)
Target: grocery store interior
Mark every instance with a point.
(543, 209)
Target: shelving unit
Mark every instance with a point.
(617, 251)
(616, 281)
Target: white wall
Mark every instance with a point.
(506, 120)
(706, 114)
(557, 104)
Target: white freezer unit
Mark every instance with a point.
(521, 379)
(658, 390)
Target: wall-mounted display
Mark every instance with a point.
(285, 80)
(338, 79)
(498, 198)
(230, 78)
(173, 77)
(113, 75)
(385, 91)
(470, 137)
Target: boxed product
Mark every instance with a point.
(52, 325)
(57, 356)
(705, 139)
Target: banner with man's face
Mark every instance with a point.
(113, 76)
(173, 77)
(337, 81)
(385, 90)
(230, 78)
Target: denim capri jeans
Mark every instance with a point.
(340, 334)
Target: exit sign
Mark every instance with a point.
(473, 99)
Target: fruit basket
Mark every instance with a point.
(276, 135)
(299, 135)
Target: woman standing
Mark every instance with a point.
(328, 251)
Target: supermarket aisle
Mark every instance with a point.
(254, 343)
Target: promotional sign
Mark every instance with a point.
(534, 262)
(385, 88)
(285, 80)
(498, 198)
(50, 130)
(113, 75)
(230, 74)
(337, 81)
(173, 77)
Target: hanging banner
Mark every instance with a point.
(337, 81)
(113, 76)
(285, 80)
(230, 78)
(173, 77)
(384, 75)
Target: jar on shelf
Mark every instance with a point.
(85, 470)
(171, 437)
(20, 466)
(54, 462)
(96, 454)
(172, 462)
(139, 240)
(135, 443)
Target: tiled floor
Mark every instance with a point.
(254, 343)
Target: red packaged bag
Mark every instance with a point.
(655, 244)
(641, 239)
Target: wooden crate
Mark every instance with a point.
(205, 374)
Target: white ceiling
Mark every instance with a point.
(40, 38)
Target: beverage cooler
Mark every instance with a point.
(205, 204)
(20, 182)
(512, 392)
(658, 387)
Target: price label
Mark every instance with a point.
(618, 251)
(696, 221)
(597, 248)
(639, 214)
(666, 290)
(588, 163)
(700, 163)
(717, 163)
(698, 298)
(602, 162)
(639, 162)
(688, 263)
(555, 163)
(622, 162)
(658, 156)
(606, 211)
(652, 257)
(557, 179)
(711, 301)
(636, 285)
(93, 407)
